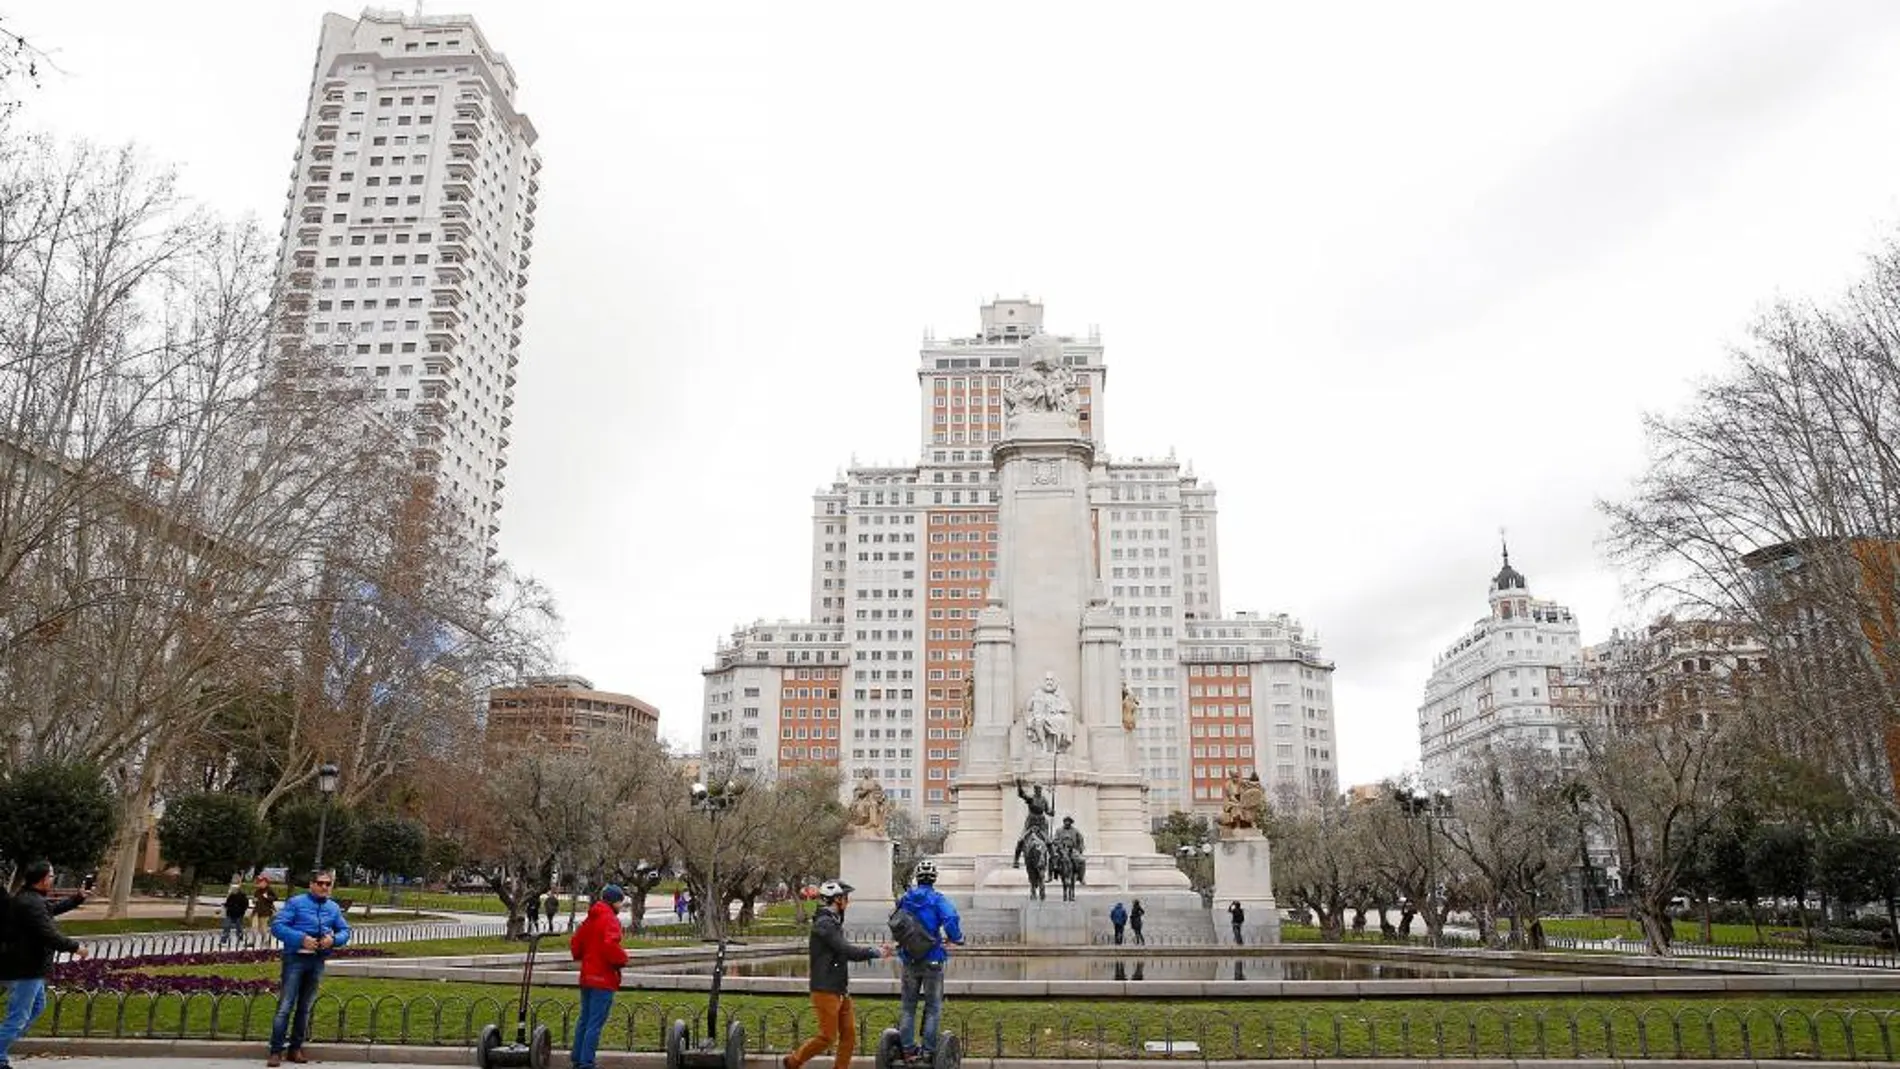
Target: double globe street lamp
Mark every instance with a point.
(1431, 808)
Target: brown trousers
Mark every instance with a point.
(836, 1024)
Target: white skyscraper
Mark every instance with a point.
(406, 242)
(902, 559)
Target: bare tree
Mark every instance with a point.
(1509, 829)
(1320, 860)
(1407, 853)
(1773, 498)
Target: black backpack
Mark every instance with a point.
(910, 935)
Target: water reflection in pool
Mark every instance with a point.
(1132, 967)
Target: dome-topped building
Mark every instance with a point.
(1493, 685)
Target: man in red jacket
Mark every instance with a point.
(596, 945)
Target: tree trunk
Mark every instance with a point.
(1653, 915)
(1754, 916)
(191, 894)
(125, 847)
(1708, 921)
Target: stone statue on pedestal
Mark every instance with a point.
(1049, 719)
(969, 703)
(1130, 704)
(1036, 824)
(1244, 804)
(870, 810)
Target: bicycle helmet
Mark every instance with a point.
(831, 889)
(926, 871)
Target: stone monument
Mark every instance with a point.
(1243, 861)
(1046, 705)
(864, 855)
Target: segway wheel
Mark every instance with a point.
(735, 1045)
(676, 1042)
(487, 1045)
(540, 1048)
(949, 1052)
(890, 1050)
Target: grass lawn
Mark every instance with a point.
(448, 1012)
(1687, 931)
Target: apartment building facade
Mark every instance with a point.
(407, 238)
(1497, 684)
(564, 713)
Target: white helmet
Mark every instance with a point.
(926, 871)
(831, 889)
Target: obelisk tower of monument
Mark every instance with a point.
(1047, 695)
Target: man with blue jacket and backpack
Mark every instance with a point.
(923, 968)
(309, 926)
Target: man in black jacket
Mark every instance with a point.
(31, 941)
(831, 958)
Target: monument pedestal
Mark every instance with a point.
(1243, 872)
(864, 862)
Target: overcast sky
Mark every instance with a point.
(1391, 275)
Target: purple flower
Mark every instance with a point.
(124, 974)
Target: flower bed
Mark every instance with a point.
(128, 974)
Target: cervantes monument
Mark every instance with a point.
(1046, 704)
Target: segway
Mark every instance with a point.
(683, 1053)
(890, 1052)
(530, 1052)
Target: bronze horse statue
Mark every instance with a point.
(1036, 863)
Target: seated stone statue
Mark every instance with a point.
(870, 810)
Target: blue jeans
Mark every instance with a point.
(302, 974)
(26, 1000)
(229, 927)
(923, 978)
(595, 1002)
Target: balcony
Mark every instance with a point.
(463, 145)
(322, 153)
(326, 131)
(455, 230)
(330, 112)
(453, 250)
(471, 108)
(442, 332)
(445, 293)
(309, 230)
(506, 421)
(520, 298)
(499, 483)
(432, 408)
(450, 274)
(318, 172)
(514, 319)
(312, 214)
(429, 450)
(454, 209)
(459, 189)
(465, 129)
(316, 194)
(527, 241)
(461, 167)
(445, 313)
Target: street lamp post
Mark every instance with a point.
(326, 783)
(713, 803)
(1430, 808)
(1192, 854)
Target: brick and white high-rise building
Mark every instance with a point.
(902, 557)
(407, 240)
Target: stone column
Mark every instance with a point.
(864, 862)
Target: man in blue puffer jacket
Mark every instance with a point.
(925, 977)
(309, 926)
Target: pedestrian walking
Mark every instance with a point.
(263, 911)
(1118, 917)
(549, 907)
(679, 906)
(309, 926)
(923, 975)
(1239, 918)
(231, 926)
(1134, 923)
(32, 940)
(596, 945)
(532, 912)
(831, 958)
